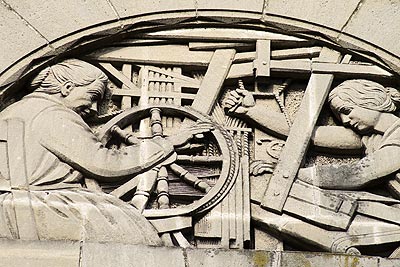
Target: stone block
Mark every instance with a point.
(232, 5)
(219, 257)
(297, 259)
(134, 8)
(39, 253)
(314, 11)
(16, 38)
(113, 254)
(54, 19)
(377, 22)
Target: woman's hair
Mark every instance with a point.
(78, 72)
(365, 94)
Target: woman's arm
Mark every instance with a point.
(354, 176)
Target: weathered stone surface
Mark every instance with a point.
(38, 254)
(215, 257)
(54, 19)
(317, 11)
(134, 8)
(373, 22)
(304, 259)
(14, 36)
(109, 254)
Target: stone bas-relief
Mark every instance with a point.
(181, 137)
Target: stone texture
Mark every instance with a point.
(111, 254)
(296, 259)
(14, 33)
(38, 254)
(55, 18)
(134, 8)
(377, 22)
(231, 5)
(314, 11)
(215, 257)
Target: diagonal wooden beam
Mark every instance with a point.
(119, 76)
(299, 137)
(213, 80)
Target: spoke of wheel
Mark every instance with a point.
(148, 179)
(190, 178)
(199, 159)
(162, 189)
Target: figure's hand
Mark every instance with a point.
(239, 101)
(185, 135)
(258, 167)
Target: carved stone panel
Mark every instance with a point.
(210, 137)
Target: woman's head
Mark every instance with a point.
(78, 72)
(359, 103)
(78, 84)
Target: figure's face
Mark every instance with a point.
(360, 119)
(81, 98)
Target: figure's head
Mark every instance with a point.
(78, 83)
(359, 103)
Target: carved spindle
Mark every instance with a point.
(162, 189)
(190, 178)
(155, 122)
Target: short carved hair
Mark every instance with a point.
(79, 72)
(364, 93)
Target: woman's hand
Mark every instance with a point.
(181, 138)
(239, 101)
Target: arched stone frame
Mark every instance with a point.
(85, 39)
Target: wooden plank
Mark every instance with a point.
(318, 197)
(261, 63)
(213, 80)
(304, 52)
(172, 223)
(317, 214)
(126, 187)
(195, 46)
(211, 224)
(350, 70)
(157, 54)
(303, 66)
(126, 101)
(288, 66)
(380, 211)
(223, 34)
(119, 76)
(299, 138)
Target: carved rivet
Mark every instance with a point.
(276, 194)
(286, 175)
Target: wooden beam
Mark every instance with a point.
(195, 46)
(380, 211)
(119, 76)
(299, 138)
(262, 61)
(222, 34)
(157, 54)
(137, 93)
(304, 66)
(304, 52)
(213, 80)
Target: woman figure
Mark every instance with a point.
(368, 108)
(41, 182)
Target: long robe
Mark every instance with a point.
(59, 149)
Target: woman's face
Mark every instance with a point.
(360, 119)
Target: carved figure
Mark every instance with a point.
(48, 148)
(369, 109)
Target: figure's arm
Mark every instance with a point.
(354, 176)
(72, 141)
(241, 103)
